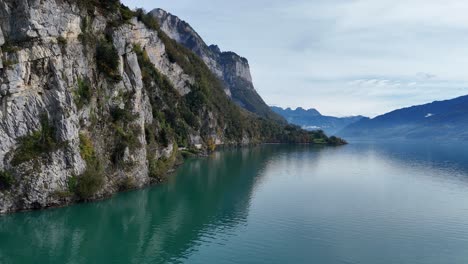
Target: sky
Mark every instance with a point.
(342, 57)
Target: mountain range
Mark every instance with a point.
(440, 120)
(312, 119)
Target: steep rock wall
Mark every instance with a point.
(48, 55)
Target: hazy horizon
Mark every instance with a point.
(340, 57)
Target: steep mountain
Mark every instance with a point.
(231, 68)
(445, 120)
(311, 119)
(95, 99)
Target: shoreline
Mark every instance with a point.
(66, 202)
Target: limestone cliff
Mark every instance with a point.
(231, 68)
(95, 98)
(115, 122)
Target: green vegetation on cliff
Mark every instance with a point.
(37, 143)
(6, 180)
(92, 179)
(107, 59)
(82, 95)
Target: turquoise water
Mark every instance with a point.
(362, 203)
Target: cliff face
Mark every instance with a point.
(231, 68)
(74, 128)
(95, 99)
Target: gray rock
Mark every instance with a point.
(42, 79)
(229, 67)
(2, 38)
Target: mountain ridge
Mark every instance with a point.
(312, 119)
(232, 69)
(435, 120)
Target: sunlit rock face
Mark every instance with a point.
(231, 68)
(47, 56)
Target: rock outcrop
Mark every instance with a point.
(231, 68)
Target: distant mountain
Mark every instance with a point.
(311, 119)
(229, 67)
(437, 120)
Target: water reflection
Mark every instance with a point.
(448, 160)
(367, 203)
(208, 197)
(269, 204)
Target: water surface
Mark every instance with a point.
(396, 202)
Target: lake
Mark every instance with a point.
(395, 202)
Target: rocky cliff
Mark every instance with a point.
(52, 76)
(95, 98)
(231, 68)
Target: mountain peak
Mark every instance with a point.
(232, 69)
(161, 11)
(311, 119)
(215, 48)
(310, 111)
